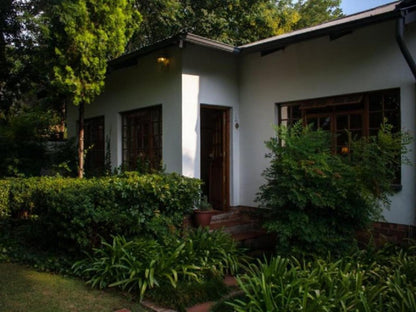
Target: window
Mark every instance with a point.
(94, 145)
(142, 137)
(361, 114)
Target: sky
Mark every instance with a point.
(354, 6)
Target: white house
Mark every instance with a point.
(205, 108)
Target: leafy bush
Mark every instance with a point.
(4, 199)
(72, 214)
(283, 284)
(16, 245)
(319, 199)
(26, 128)
(141, 264)
(216, 252)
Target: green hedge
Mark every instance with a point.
(74, 214)
(4, 198)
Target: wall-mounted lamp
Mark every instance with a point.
(163, 60)
(345, 150)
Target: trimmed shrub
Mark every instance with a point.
(73, 214)
(4, 198)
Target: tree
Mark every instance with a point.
(314, 12)
(161, 19)
(84, 35)
(231, 21)
(10, 68)
(25, 117)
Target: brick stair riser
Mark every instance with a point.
(264, 242)
(239, 228)
(225, 217)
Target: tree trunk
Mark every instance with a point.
(81, 141)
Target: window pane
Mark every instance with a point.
(94, 144)
(376, 102)
(342, 122)
(391, 102)
(325, 123)
(143, 142)
(342, 138)
(393, 118)
(296, 113)
(312, 122)
(356, 121)
(284, 112)
(376, 119)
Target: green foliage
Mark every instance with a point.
(187, 294)
(24, 130)
(376, 161)
(283, 284)
(318, 199)
(71, 215)
(233, 21)
(203, 204)
(17, 245)
(84, 35)
(313, 12)
(4, 199)
(215, 251)
(142, 264)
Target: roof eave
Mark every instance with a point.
(131, 58)
(333, 31)
(209, 43)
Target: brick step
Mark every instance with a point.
(247, 235)
(235, 226)
(222, 216)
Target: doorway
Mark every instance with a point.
(215, 155)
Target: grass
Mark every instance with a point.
(23, 289)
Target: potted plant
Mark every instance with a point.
(203, 213)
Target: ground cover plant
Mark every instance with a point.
(23, 289)
(198, 258)
(383, 281)
(317, 199)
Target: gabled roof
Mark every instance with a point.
(131, 58)
(335, 29)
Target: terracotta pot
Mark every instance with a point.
(203, 217)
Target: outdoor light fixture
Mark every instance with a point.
(163, 60)
(345, 150)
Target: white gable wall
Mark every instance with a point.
(145, 84)
(369, 59)
(209, 77)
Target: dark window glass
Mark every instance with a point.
(359, 114)
(94, 145)
(142, 138)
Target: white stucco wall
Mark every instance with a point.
(209, 77)
(368, 59)
(145, 84)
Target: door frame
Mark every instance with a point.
(226, 148)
